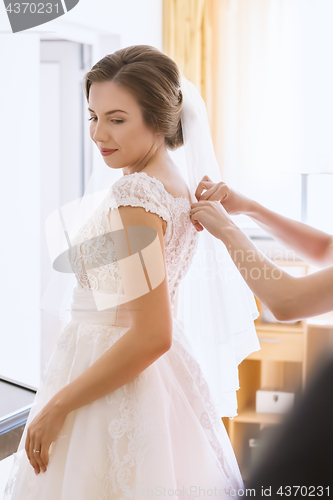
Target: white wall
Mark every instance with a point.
(20, 208)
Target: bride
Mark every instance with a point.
(124, 408)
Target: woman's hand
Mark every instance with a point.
(213, 216)
(42, 431)
(233, 202)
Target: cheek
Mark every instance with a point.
(135, 139)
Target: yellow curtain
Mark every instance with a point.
(190, 38)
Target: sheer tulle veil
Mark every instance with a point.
(215, 305)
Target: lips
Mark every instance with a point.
(108, 152)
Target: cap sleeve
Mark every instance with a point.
(140, 190)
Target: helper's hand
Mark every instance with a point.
(212, 216)
(233, 202)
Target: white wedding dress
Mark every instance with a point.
(160, 434)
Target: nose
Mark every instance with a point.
(99, 133)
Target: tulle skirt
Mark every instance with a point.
(158, 435)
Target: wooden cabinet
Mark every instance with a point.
(290, 353)
(279, 345)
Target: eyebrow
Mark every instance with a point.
(110, 112)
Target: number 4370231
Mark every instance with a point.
(32, 8)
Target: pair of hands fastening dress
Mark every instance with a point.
(208, 212)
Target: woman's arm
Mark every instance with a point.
(310, 244)
(148, 338)
(288, 298)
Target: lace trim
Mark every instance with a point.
(130, 434)
(162, 188)
(141, 191)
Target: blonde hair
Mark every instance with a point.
(153, 79)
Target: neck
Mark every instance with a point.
(156, 156)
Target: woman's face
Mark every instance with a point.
(117, 123)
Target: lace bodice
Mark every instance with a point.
(91, 246)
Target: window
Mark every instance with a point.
(276, 105)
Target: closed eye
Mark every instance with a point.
(116, 121)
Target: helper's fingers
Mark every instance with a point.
(197, 226)
(218, 192)
(212, 194)
(195, 223)
(206, 178)
(199, 204)
(222, 191)
(194, 214)
(201, 187)
(194, 210)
